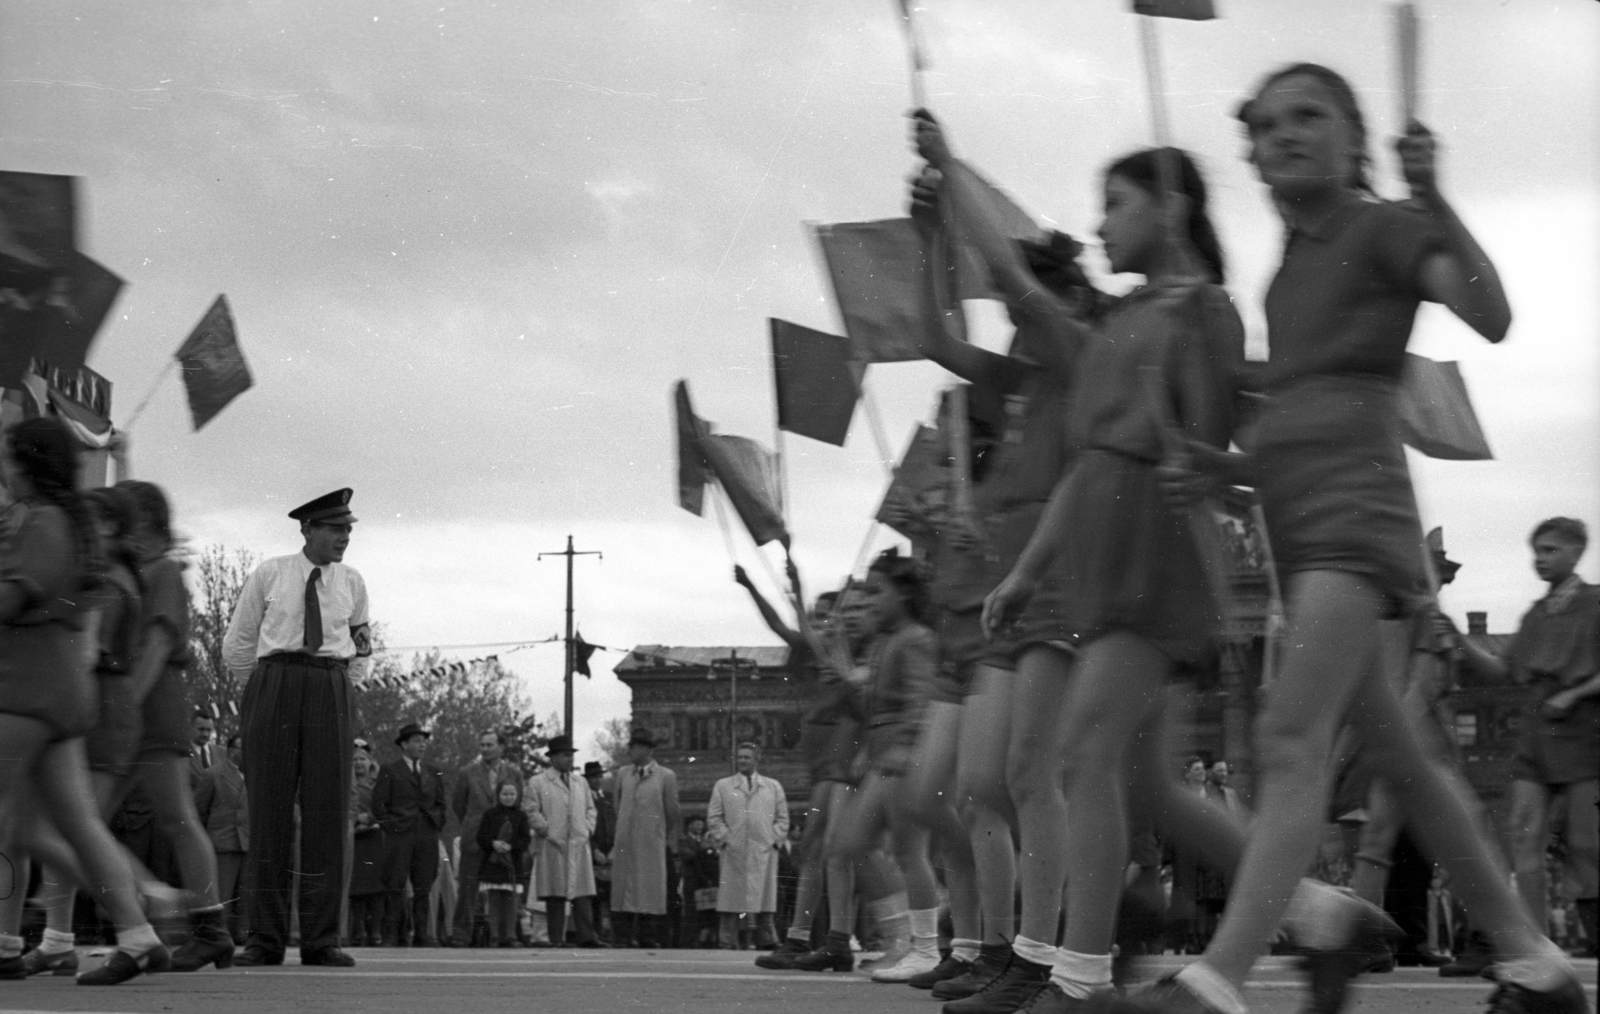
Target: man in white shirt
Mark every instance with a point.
(300, 622)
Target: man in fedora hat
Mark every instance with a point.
(408, 803)
(562, 814)
(300, 623)
(600, 844)
(647, 816)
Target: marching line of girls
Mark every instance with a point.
(1076, 589)
(94, 631)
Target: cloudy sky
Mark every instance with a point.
(471, 245)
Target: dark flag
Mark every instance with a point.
(1436, 415)
(817, 380)
(1189, 10)
(214, 370)
(692, 472)
(747, 475)
(38, 238)
(582, 651)
(66, 325)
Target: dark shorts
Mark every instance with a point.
(831, 749)
(953, 682)
(114, 741)
(166, 711)
(1559, 753)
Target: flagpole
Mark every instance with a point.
(876, 422)
(172, 364)
(915, 51)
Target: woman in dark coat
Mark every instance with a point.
(366, 867)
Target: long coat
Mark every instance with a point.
(223, 806)
(647, 817)
(475, 793)
(562, 817)
(746, 824)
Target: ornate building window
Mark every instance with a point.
(1467, 728)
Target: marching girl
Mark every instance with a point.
(47, 696)
(828, 744)
(903, 667)
(110, 745)
(1022, 395)
(1136, 602)
(1332, 478)
(162, 762)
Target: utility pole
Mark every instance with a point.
(733, 663)
(569, 553)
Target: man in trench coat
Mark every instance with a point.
(647, 809)
(747, 819)
(561, 813)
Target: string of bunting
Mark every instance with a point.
(396, 680)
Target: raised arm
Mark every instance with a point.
(1460, 276)
(770, 615)
(965, 198)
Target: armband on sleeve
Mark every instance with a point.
(361, 634)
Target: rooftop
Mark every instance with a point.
(647, 657)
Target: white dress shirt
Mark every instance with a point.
(270, 616)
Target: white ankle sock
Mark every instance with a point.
(1203, 981)
(800, 935)
(964, 950)
(10, 947)
(924, 923)
(1034, 951)
(1542, 971)
(138, 939)
(1080, 976)
(56, 942)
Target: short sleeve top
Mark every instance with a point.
(166, 604)
(1195, 347)
(1032, 450)
(1344, 300)
(41, 559)
(1563, 646)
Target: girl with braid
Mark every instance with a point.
(49, 566)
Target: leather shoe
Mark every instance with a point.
(595, 943)
(328, 957)
(256, 956)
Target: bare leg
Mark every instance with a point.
(1330, 612)
(165, 777)
(984, 801)
(1378, 835)
(1530, 835)
(928, 801)
(1033, 775)
(1118, 688)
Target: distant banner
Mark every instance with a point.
(214, 370)
(817, 381)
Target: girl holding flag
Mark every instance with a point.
(1328, 465)
(1020, 398)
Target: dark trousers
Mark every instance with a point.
(502, 907)
(366, 920)
(230, 878)
(469, 907)
(555, 914)
(296, 723)
(638, 929)
(410, 856)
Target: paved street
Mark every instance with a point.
(584, 982)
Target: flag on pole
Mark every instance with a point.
(818, 382)
(1189, 10)
(66, 325)
(973, 280)
(748, 474)
(692, 473)
(917, 495)
(214, 370)
(582, 651)
(38, 239)
(877, 274)
(1436, 415)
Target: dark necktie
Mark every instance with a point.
(313, 613)
(205, 756)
